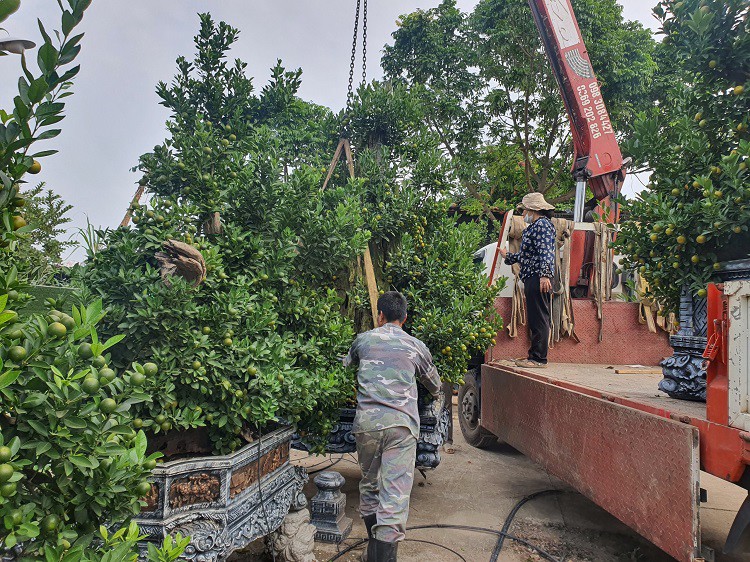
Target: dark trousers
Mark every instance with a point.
(537, 316)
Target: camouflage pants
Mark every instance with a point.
(386, 458)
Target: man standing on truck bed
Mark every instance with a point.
(386, 425)
(537, 259)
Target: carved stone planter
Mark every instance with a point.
(223, 502)
(685, 371)
(433, 421)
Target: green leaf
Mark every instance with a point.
(93, 312)
(45, 35)
(47, 58)
(37, 90)
(47, 121)
(50, 134)
(23, 90)
(114, 340)
(8, 378)
(121, 430)
(70, 74)
(75, 423)
(8, 7)
(44, 153)
(21, 109)
(38, 427)
(84, 462)
(42, 448)
(68, 22)
(140, 444)
(34, 400)
(29, 530)
(69, 55)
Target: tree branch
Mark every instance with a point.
(563, 198)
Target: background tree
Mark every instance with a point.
(40, 252)
(696, 142)
(433, 56)
(506, 113)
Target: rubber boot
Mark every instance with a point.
(369, 521)
(379, 551)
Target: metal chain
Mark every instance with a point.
(350, 90)
(364, 42)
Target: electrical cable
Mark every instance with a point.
(334, 463)
(362, 541)
(331, 464)
(317, 463)
(438, 545)
(541, 552)
(511, 516)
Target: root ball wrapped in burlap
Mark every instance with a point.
(182, 260)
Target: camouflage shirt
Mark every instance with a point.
(389, 361)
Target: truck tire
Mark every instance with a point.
(468, 413)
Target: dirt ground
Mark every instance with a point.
(479, 488)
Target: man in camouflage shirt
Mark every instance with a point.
(386, 425)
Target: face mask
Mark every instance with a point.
(527, 219)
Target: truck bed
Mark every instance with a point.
(638, 388)
(615, 438)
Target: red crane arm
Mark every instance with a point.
(598, 159)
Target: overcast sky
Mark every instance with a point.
(130, 45)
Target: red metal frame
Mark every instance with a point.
(605, 451)
(593, 134)
(717, 374)
(725, 451)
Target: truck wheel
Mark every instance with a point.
(468, 413)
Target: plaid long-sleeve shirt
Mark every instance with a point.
(537, 255)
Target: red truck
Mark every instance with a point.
(632, 450)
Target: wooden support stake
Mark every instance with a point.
(332, 167)
(349, 157)
(136, 198)
(504, 229)
(372, 284)
(649, 371)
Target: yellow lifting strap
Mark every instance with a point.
(372, 285)
(562, 320)
(601, 282)
(518, 302)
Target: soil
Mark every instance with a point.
(480, 487)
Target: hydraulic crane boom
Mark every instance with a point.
(597, 158)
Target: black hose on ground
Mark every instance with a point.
(331, 464)
(509, 520)
(544, 554)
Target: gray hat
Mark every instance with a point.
(535, 202)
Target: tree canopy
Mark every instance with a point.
(492, 99)
(697, 145)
